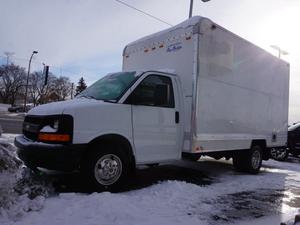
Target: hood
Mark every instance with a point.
(59, 107)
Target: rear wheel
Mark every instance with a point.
(249, 161)
(295, 154)
(106, 167)
(293, 151)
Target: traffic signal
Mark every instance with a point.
(46, 74)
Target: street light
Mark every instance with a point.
(280, 51)
(191, 7)
(26, 88)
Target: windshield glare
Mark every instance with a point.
(111, 87)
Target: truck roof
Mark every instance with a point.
(196, 24)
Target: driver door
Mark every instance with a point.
(155, 119)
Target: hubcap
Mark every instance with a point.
(256, 159)
(108, 169)
(278, 153)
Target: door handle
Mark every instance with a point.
(176, 117)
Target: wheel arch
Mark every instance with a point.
(114, 139)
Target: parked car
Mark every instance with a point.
(294, 139)
(293, 144)
(20, 108)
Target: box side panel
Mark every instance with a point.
(242, 94)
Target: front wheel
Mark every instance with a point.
(106, 168)
(249, 161)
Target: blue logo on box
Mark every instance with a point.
(174, 47)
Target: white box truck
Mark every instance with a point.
(193, 89)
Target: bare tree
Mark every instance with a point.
(37, 89)
(12, 79)
(62, 86)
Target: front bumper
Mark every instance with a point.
(50, 156)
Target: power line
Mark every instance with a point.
(143, 12)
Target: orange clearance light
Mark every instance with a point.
(54, 137)
(161, 46)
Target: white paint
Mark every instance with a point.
(156, 135)
(239, 87)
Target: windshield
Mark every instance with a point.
(111, 87)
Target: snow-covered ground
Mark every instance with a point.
(207, 192)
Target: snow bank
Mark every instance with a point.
(232, 198)
(20, 192)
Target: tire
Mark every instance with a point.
(249, 161)
(295, 154)
(293, 151)
(280, 154)
(106, 167)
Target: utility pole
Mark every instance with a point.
(8, 55)
(280, 51)
(191, 7)
(26, 88)
(72, 90)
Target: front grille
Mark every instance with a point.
(32, 126)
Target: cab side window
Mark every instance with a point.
(154, 90)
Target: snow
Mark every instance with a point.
(19, 191)
(270, 197)
(22, 114)
(8, 138)
(48, 129)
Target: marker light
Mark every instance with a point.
(54, 137)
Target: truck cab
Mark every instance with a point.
(122, 120)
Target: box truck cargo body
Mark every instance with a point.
(234, 92)
(194, 89)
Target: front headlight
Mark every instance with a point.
(56, 129)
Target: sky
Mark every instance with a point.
(86, 37)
